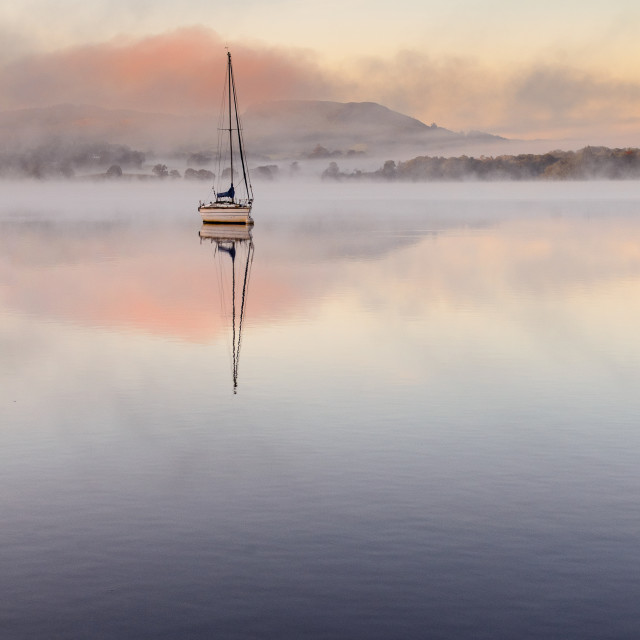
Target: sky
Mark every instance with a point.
(558, 69)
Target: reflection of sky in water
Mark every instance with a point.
(434, 433)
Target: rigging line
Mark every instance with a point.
(247, 275)
(247, 177)
(221, 138)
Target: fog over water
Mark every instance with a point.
(434, 431)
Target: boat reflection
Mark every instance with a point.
(233, 253)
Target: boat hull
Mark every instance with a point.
(221, 214)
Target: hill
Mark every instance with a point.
(296, 127)
(287, 129)
(88, 124)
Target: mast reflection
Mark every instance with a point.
(233, 252)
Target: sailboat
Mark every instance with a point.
(233, 204)
(234, 253)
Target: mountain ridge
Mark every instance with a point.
(287, 128)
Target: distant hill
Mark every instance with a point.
(25, 128)
(297, 126)
(286, 129)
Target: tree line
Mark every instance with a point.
(586, 164)
(62, 159)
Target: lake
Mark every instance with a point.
(428, 427)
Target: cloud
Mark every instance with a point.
(534, 100)
(449, 90)
(181, 72)
(13, 45)
(565, 97)
(178, 72)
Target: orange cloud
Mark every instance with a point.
(177, 72)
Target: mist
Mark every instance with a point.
(164, 91)
(146, 109)
(102, 162)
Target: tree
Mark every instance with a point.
(161, 170)
(332, 172)
(114, 171)
(266, 172)
(389, 170)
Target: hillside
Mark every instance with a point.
(87, 124)
(290, 129)
(297, 126)
(292, 126)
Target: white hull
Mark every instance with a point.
(222, 213)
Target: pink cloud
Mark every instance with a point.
(177, 72)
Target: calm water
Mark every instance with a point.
(435, 432)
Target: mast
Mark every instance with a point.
(229, 76)
(247, 184)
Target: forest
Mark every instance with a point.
(600, 163)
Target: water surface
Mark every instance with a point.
(434, 434)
